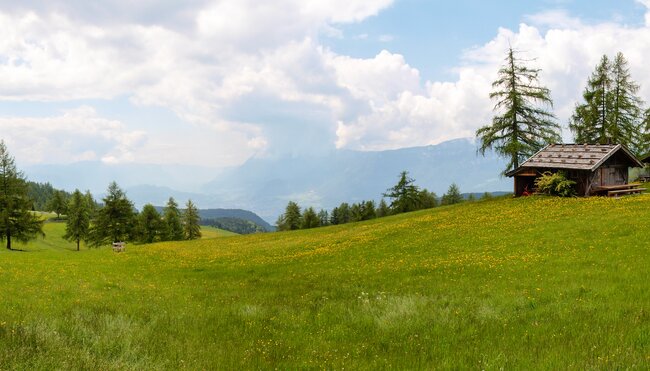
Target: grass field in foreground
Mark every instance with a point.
(513, 283)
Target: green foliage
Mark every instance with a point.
(383, 209)
(427, 200)
(309, 219)
(324, 218)
(150, 225)
(58, 203)
(115, 221)
(172, 222)
(291, 219)
(404, 195)
(452, 196)
(612, 111)
(522, 126)
(341, 214)
(486, 196)
(77, 225)
(191, 221)
(555, 184)
(17, 222)
(41, 194)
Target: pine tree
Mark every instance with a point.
(92, 205)
(626, 117)
(523, 126)
(324, 218)
(309, 219)
(191, 220)
(382, 209)
(172, 221)
(611, 112)
(404, 195)
(344, 213)
(115, 221)
(291, 219)
(78, 224)
(452, 196)
(150, 225)
(58, 203)
(589, 121)
(427, 200)
(17, 222)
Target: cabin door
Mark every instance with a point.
(611, 176)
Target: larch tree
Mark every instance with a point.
(404, 195)
(17, 221)
(172, 221)
(115, 220)
(77, 225)
(58, 203)
(612, 111)
(310, 219)
(523, 124)
(191, 221)
(150, 226)
(452, 196)
(291, 219)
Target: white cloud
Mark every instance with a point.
(247, 77)
(76, 135)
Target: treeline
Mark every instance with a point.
(115, 219)
(43, 194)
(236, 225)
(404, 197)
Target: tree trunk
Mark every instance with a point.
(8, 240)
(77, 245)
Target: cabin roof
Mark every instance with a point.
(574, 157)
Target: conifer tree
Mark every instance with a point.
(58, 203)
(427, 200)
(77, 225)
(310, 219)
(382, 209)
(291, 219)
(612, 111)
(172, 221)
(17, 222)
(452, 196)
(404, 195)
(150, 225)
(191, 220)
(324, 218)
(115, 221)
(523, 125)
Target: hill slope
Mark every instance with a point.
(511, 283)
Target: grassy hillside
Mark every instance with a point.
(511, 283)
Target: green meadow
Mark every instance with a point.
(529, 283)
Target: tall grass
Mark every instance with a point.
(514, 283)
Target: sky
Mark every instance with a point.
(214, 83)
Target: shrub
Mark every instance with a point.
(555, 184)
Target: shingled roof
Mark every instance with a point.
(574, 157)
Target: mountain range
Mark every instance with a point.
(264, 185)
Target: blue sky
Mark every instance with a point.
(434, 34)
(214, 83)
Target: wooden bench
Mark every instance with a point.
(644, 178)
(119, 246)
(623, 192)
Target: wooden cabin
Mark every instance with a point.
(594, 167)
